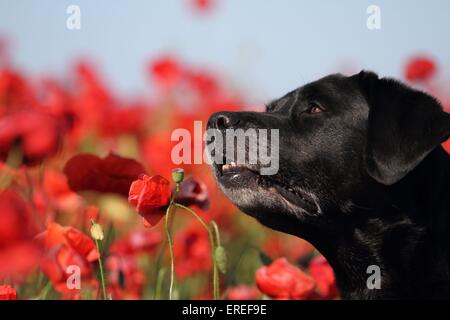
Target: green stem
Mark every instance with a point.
(216, 232)
(172, 263)
(100, 266)
(159, 283)
(159, 260)
(13, 160)
(211, 239)
(44, 292)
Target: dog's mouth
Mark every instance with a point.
(233, 176)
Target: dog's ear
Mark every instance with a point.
(404, 125)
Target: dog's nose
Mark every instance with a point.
(223, 120)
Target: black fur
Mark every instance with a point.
(370, 182)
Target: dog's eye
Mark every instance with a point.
(314, 108)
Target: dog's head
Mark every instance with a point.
(338, 137)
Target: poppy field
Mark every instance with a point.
(93, 207)
(81, 167)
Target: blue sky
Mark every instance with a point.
(265, 47)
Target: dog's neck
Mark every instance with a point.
(405, 233)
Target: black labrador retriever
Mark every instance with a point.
(362, 176)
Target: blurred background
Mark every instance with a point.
(266, 48)
(90, 92)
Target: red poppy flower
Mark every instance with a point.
(192, 251)
(202, 5)
(446, 146)
(65, 247)
(111, 174)
(55, 184)
(205, 84)
(286, 246)
(18, 252)
(158, 160)
(137, 242)
(38, 134)
(193, 192)
(130, 119)
(281, 280)
(93, 92)
(57, 101)
(125, 279)
(323, 275)
(55, 195)
(91, 104)
(420, 69)
(7, 293)
(243, 292)
(150, 196)
(166, 71)
(15, 92)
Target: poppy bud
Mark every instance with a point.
(221, 259)
(97, 232)
(178, 175)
